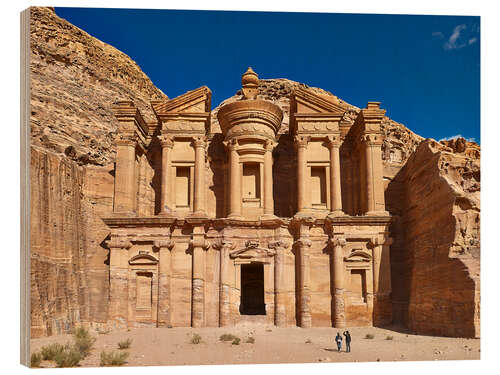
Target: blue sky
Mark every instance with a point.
(424, 69)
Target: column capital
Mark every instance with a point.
(169, 244)
(333, 140)
(278, 244)
(231, 144)
(303, 242)
(338, 241)
(119, 243)
(166, 140)
(378, 241)
(372, 139)
(301, 141)
(200, 242)
(222, 244)
(269, 145)
(126, 139)
(199, 141)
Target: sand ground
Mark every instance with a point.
(171, 346)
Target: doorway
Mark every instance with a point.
(252, 289)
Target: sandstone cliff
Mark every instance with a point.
(75, 79)
(432, 192)
(436, 253)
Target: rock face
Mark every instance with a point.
(432, 190)
(75, 79)
(436, 252)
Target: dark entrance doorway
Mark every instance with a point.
(252, 289)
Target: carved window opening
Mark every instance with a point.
(252, 289)
(182, 187)
(358, 285)
(251, 182)
(318, 186)
(144, 292)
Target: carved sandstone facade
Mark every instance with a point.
(327, 265)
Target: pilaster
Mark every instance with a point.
(224, 247)
(164, 248)
(118, 277)
(198, 245)
(279, 283)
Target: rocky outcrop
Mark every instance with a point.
(75, 79)
(436, 252)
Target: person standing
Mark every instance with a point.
(347, 341)
(338, 340)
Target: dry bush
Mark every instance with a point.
(250, 340)
(36, 359)
(389, 338)
(196, 339)
(113, 358)
(236, 341)
(125, 344)
(49, 352)
(69, 357)
(369, 336)
(227, 337)
(83, 341)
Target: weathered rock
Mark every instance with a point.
(75, 79)
(436, 252)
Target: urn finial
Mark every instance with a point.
(250, 84)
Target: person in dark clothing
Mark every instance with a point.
(347, 341)
(338, 340)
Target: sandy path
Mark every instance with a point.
(164, 346)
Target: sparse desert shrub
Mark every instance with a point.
(70, 356)
(83, 341)
(196, 339)
(125, 344)
(389, 338)
(236, 341)
(308, 341)
(250, 340)
(36, 359)
(113, 358)
(369, 336)
(227, 337)
(49, 352)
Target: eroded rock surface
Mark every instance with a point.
(75, 79)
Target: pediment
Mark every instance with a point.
(358, 256)
(195, 101)
(307, 102)
(143, 259)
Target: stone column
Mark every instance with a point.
(375, 201)
(167, 143)
(199, 175)
(303, 245)
(279, 282)
(338, 244)
(301, 144)
(199, 245)
(235, 181)
(268, 179)
(335, 185)
(164, 287)
(118, 277)
(224, 247)
(125, 176)
(381, 280)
